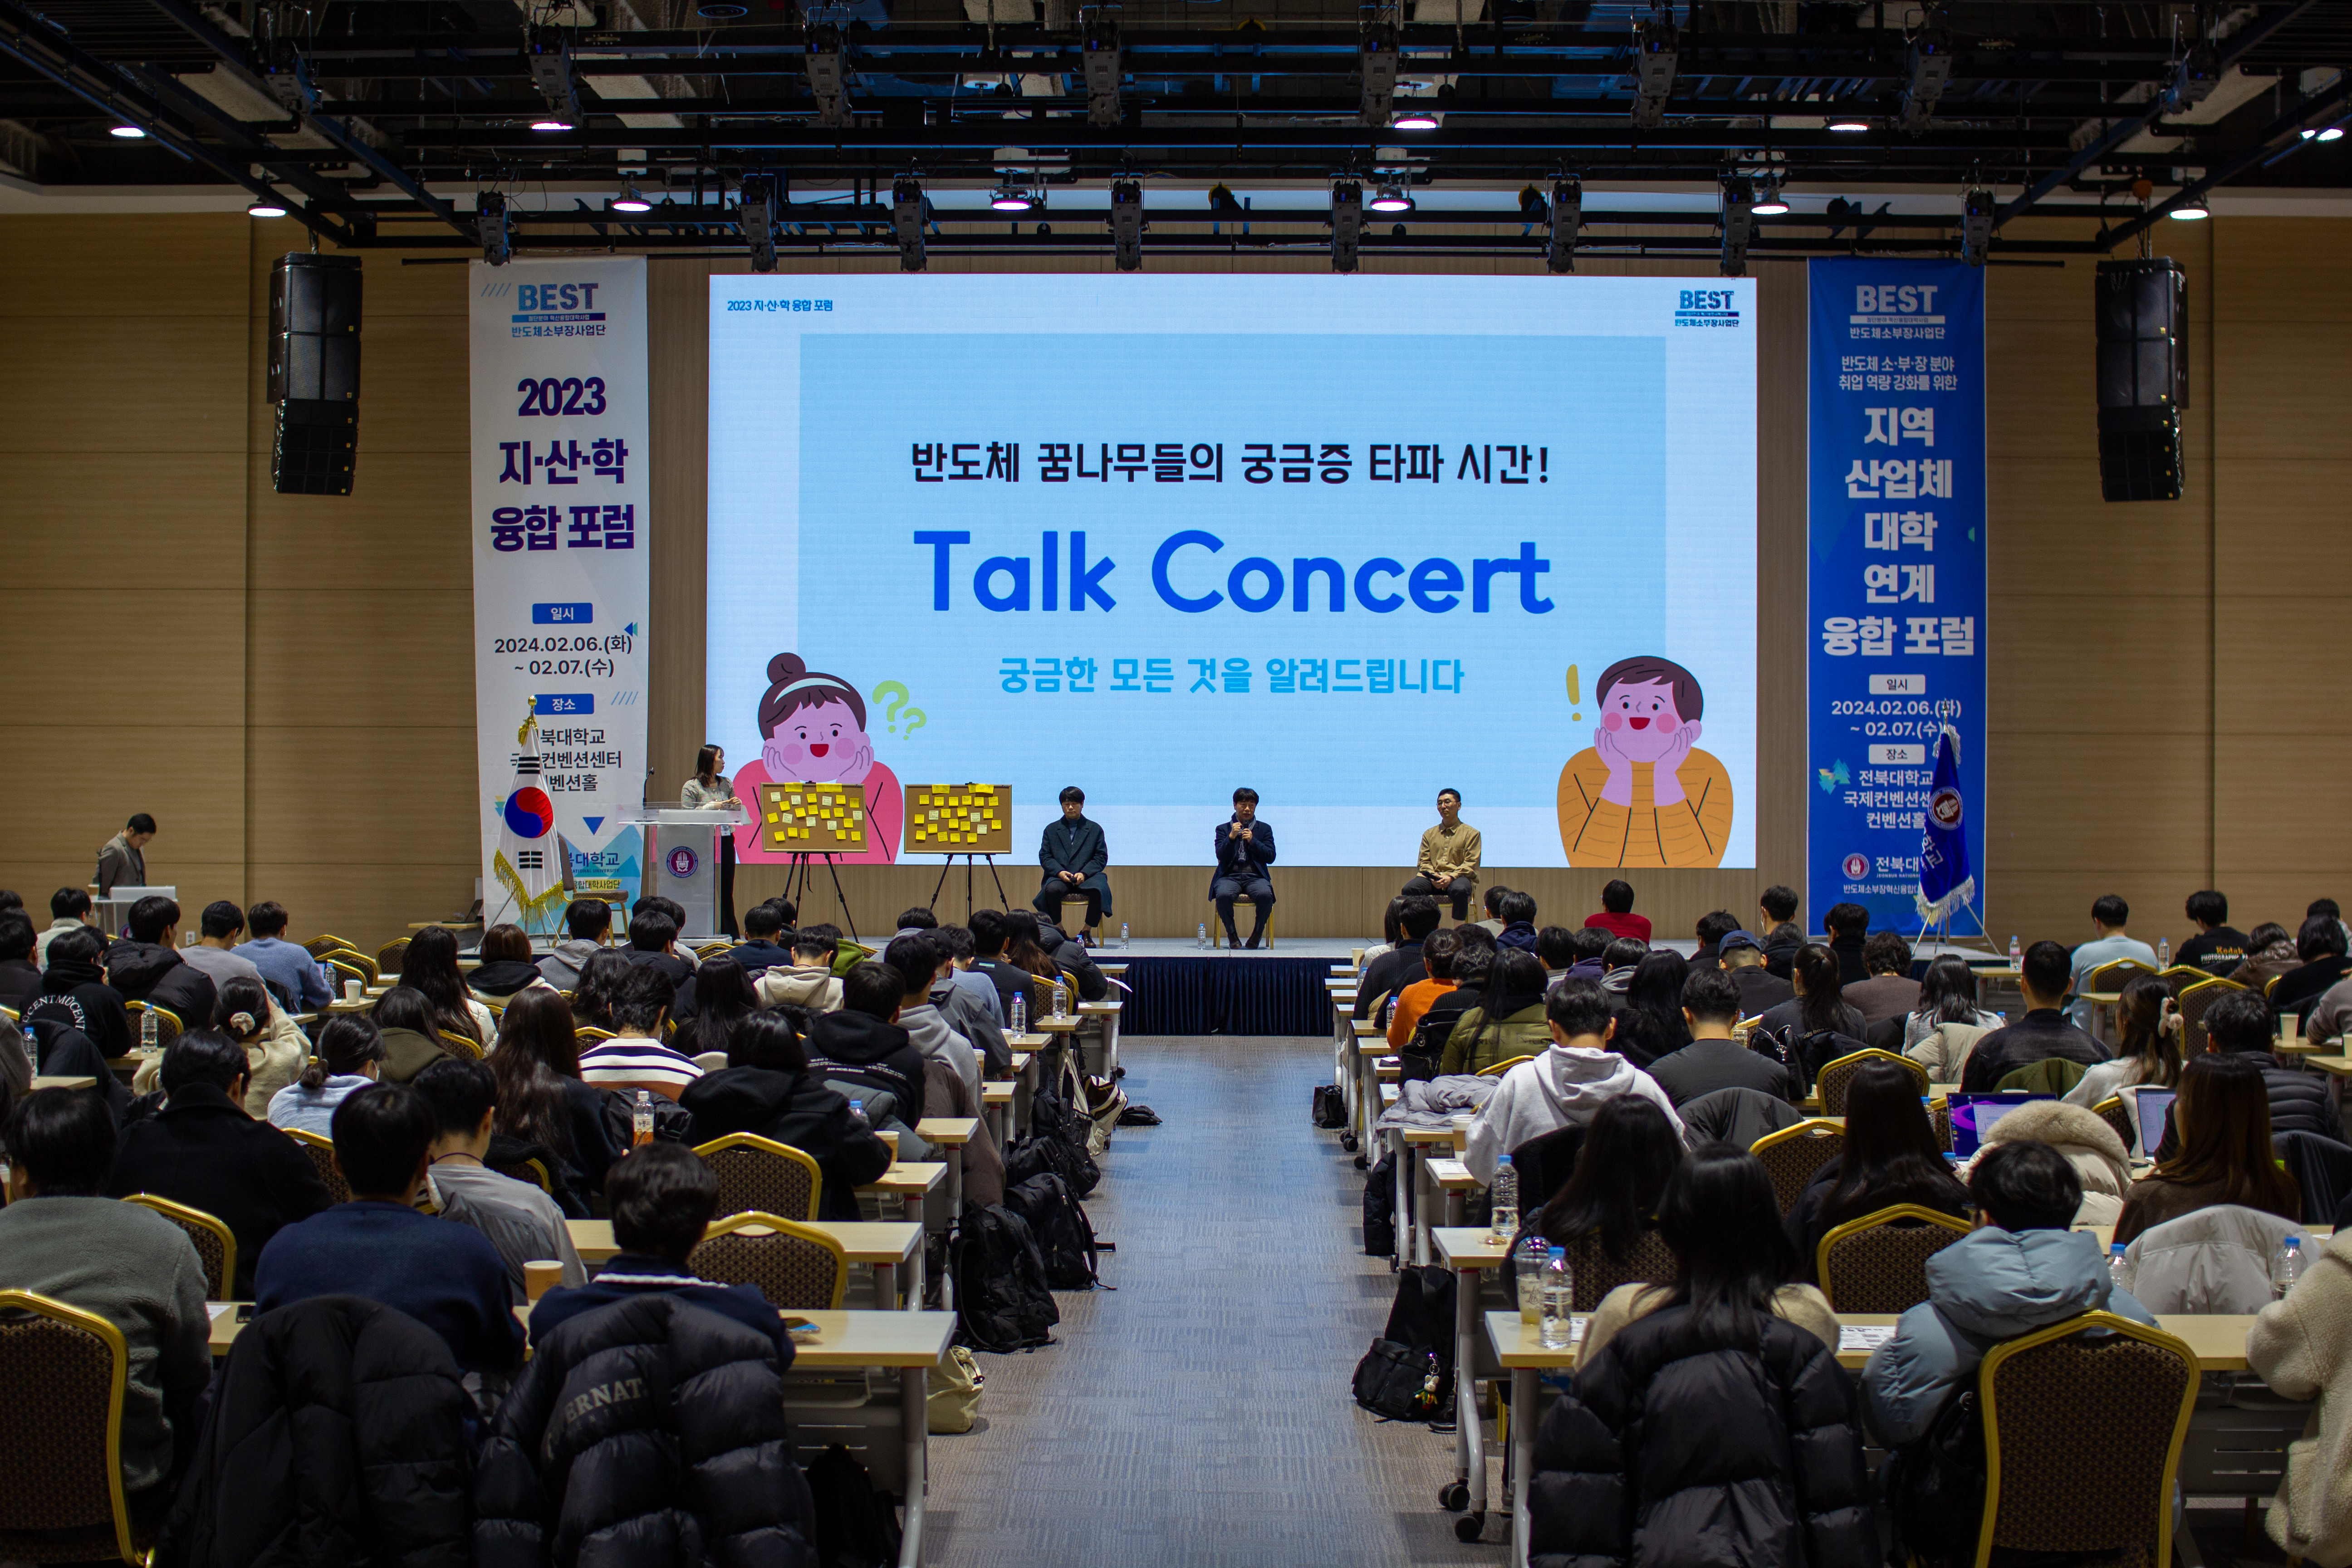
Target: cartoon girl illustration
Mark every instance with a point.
(1643, 794)
(813, 731)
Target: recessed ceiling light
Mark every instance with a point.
(629, 201)
(1012, 199)
(1770, 205)
(2191, 210)
(1414, 120)
(129, 133)
(264, 207)
(1389, 199)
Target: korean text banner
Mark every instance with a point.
(1897, 587)
(561, 535)
(1343, 541)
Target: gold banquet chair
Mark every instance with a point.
(1592, 1273)
(61, 1498)
(796, 1267)
(760, 1175)
(1792, 1154)
(1836, 1078)
(167, 1022)
(323, 1156)
(216, 1243)
(1879, 1263)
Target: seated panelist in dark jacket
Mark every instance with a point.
(1244, 848)
(1073, 854)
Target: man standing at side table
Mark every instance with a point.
(1244, 848)
(1447, 866)
(1073, 853)
(120, 859)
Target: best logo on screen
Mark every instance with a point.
(1644, 794)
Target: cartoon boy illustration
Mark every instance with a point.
(1643, 794)
(813, 731)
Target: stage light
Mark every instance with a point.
(1104, 69)
(1928, 60)
(1850, 126)
(1376, 62)
(1977, 211)
(909, 211)
(1768, 202)
(2332, 133)
(1012, 199)
(548, 51)
(828, 75)
(128, 131)
(265, 207)
(548, 123)
(1391, 199)
(494, 227)
(1414, 120)
(1127, 224)
(1656, 46)
(2190, 210)
(755, 216)
(1567, 217)
(629, 201)
(1347, 225)
(1738, 224)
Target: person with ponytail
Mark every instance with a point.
(2148, 1053)
(349, 1059)
(274, 1043)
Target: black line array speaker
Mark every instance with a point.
(314, 373)
(2143, 334)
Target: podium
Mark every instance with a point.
(680, 860)
(112, 910)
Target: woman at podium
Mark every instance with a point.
(708, 790)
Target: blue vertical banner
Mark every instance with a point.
(1895, 581)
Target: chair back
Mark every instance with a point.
(167, 1022)
(1496, 1069)
(61, 1496)
(761, 1175)
(1592, 1273)
(1879, 1263)
(1792, 1154)
(322, 1155)
(1836, 1078)
(388, 956)
(589, 1034)
(2112, 1111)
(533, 1171)
(465, 1047)
(2114, 977)
(714, 949)
(2195, 1001)
(322, 945)
(796, 1267)
(2083, 1438)
(1939, 1118)
(216, 1243)
(1041, 996)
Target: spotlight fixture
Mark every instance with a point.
(755, 216)
(1767, 202)
(1011, 198)
(1567, 217)
(1391, 199)
(1347, 225)
(265, 207)
(548, 51)
(494, 227)
(1104, 69)
(1376, 63)
(2189, 209)
(2194, 79)
(1738, 224)
(1127, 224)
(1222, 202)
(1928, 62)
(630, 201)
(550, 122)
(1656, 48)
(1849, 125)
(828, 75)
(909, 211)
(1977, 210)
(1414, 120)
(128, 131)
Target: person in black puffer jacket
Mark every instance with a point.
(2240, 1026)
(767, 1089)
(373, 1402)
(1708, 1432)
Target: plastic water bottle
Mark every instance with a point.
(2286, 1267)
(1558, 1301)
(641, 1122)
(2016, 953)
(32, 1049)
(1020, 1013)
(1200, 935)
(1061, 999)
(148, 1030)
(1122, 934)
(857, 1113)
(2164, 953)
(1504, 1223)
(1534, 1253)
(2116, 1267)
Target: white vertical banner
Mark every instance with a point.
(561, 529)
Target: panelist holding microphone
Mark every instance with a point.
(1073, 853)
(1245, 849)
(1448, 864)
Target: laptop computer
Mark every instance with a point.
(1973, 1116)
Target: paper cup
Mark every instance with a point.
(539, 1276)
(352, 990)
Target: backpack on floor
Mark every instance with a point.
(1105, 1103)
(1330, 1108)
(1064, 1238)
(1935, 1488)
(856, 1527)
(1407, 1374)
(1002, 1301)
(1379, 1208)
(1052, 1120)
(952, 1391)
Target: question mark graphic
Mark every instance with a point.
(896, 700)
(1575, 695)
(916, 719)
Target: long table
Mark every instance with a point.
(893, 1249)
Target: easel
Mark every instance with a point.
(949, 865)
(1943, 929)
(799, 879)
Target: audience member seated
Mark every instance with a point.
(1070, 957)
(2298, 1346)
(542, 1098)
(1800, 1027)
(293, 976)
(1741, 953)
(446, 1275)
(349, 1059)
(2147, 1052)
(1619, 959)
(961, 952)
(920, 961)
(1617, 917)
(520, 1220)
(601, 979)
(1570, 1080)
(215, 954)
(860, 1044)
(991, 934)
(412, 1028)
(588, 927)
(1891, 1156)
(1437, 950)
(2109, 942)
(2222, 1122)
(722, 998)
(809, 983)
(2320, 947)
(74, 993)
(635, 1055)
(2239, 1025)
(963, 1011)
(20, 977)
(653, 943)
(508, 965)
(275, 1048)
(1474, 961)
(202, 1150)
(1889, 992)
(2270, 954)
(1709, 1421)
(60, 1238)
(1849, 929)
(146, 966)
(2041, 1033)
(68, 907)
(766, 1088)
(430, 965)
(1713, 1061)
(1400, 966)
(2022, 1268)
(2218, 947)
(1491, 901)
(1650, 1023)
(1711, 929)
(1586, 946)
(1517, 910)
(1621, 1168)
(1782, 935)
(764, 946)
(1555, 951)
(1945, 1023)
(1507, 1021)
(2101, 1162)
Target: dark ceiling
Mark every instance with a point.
(348, 111)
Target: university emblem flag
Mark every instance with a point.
(1946, 880)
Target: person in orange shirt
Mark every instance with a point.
(1437, 952)
(1644, 794)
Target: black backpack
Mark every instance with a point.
(856, 1526)
(1001, 1297)
(1052, 1121)
(1064, 1238)
(1935, 1488)
(1330, 1108)
(673, 1123)
(1379, 1208)
(1804, 1054)
(1408, 1373)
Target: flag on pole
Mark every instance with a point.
(528, 848)
(1946, 880)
